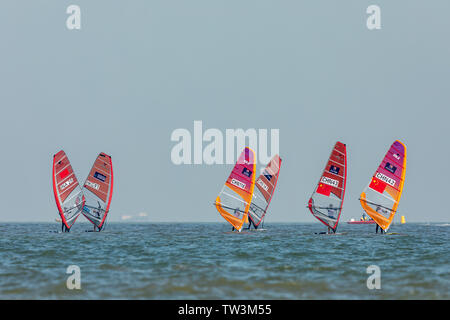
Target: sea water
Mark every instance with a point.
(207, 261)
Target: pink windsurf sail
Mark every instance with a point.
(381, 197)
(233, 202)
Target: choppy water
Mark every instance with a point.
(205, 261)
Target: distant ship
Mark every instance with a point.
(362, 220)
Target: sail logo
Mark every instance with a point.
(213, 146)
(334, 169)
(389, 167)
(329, 181)
(64, 173)
(238, 183)
(93, 185)
(396, 156)
(267, 175)
(247, 172)
(66, 184)
(262, 185)
(99, 176)
(386, 179)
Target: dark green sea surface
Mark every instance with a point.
(207, 261)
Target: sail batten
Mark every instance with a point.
(381, 196)
(327, 198)
(233, 202)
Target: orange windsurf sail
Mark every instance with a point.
(233, 202)
(381, 197)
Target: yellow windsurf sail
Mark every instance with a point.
(381, 197)
(233, 202)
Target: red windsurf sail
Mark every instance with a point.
(265, 187)
(68, 195)
(98, 189)
(328, 196)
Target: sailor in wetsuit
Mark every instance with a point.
(250, 223)
(331, 214)
(378, 209)
(236, 214)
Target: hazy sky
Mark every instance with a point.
(137, 70)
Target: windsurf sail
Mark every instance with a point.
(328, 196)
(381, 196)
(98, 189)
(233, 202)
(68, 194)
(265, 187)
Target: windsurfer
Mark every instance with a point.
(250, 223)
(236, 214)
(331, 211)
(64, 228)
(378, 209)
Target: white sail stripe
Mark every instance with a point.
(68, 165)
(276, 163)
(269, 181)
(95, 189)
(76, 194)
(341, 164)
(106, 161)
(274, 175)
(389, 198)
(240, 200)
(338, 151)
(67, 189)
(72, 174)
(99, 169)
